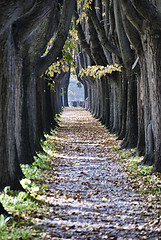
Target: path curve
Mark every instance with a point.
(91, 197)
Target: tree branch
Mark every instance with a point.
(96, 48)
(132, 14)
(60, 37)
(101, 33)
(10, 11)
(106, 18)
(132, 33)
(124, 44)
(25, 25)
(81, 36)
(148, 11)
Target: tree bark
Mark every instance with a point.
(10, 171)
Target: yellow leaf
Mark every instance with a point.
(104, 199)
(66, 68)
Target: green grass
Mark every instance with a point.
(140, 175)
(19, 225)
(25, 207)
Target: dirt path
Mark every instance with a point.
(91, 197)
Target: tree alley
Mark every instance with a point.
(125, 32)
(111, 34)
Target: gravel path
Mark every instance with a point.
(91, 195)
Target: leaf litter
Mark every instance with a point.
(90, 195)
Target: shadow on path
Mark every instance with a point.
(91, 195)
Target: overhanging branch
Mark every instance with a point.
(102, 34)
(60, 37)
(82, 38)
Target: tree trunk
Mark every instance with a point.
(153, 62)
(140, 150)
(10, 171)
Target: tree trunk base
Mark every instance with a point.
(17, 187)
(147, 160)
(156, 170)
